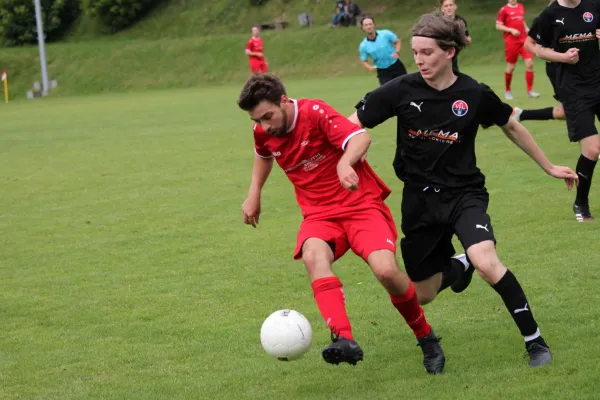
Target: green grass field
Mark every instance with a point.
(126, 272)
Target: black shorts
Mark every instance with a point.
(581, 120)
(393, 71)
(429, 220)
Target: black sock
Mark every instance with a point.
(585, 171)
(542, 114)
(451, 273)
(514, 299)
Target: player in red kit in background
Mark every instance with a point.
(342, 202)
(255, 52)
(511, 21)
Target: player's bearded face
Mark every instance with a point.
(271, 117)
(430, 58)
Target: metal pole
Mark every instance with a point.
(40, 32)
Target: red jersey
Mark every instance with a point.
(309, 155)
(513, 17)
(255, 45)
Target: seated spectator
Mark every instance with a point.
(339, 13)
(351, 13)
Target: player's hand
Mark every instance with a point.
(372, 69)
(348, 177)
(572, 56)
(251, 210)
(598, 33)
(515, 32)
(566, 173)
(396, 55)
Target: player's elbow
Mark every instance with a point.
(499, 27)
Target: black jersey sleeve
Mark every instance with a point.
(544, 35)
(464, 21)
(379, 105)
(493, 111)
(533, 30)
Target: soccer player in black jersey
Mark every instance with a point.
(567, 35)
(448, 7)
(548, 113)
(438, 115)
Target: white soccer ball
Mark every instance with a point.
(286, 335)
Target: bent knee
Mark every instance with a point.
(490, 269)
(317, 257)
(386, 271)
(593, 150)
(425, 294)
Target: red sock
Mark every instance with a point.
(408, 305)
(507, 80)
(330, 299)
(529, 80)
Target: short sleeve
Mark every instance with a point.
(501, 18)
(492, 110)
(249, 45)
(338, 128)
(533, 30)
(391, 36)
(466, 26)
(379, 105)
(544, 35)
(259, 142)
(363, 52)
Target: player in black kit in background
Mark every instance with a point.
(448, 8)
(438, 115)
(568, 35)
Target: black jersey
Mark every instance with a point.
(455, 59)
(436, 128)
(561, 28)
(464, 21)
(551, 67)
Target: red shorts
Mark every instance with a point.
(258, 66)
(364, 231)
(512, 51)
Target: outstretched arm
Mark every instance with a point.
(519, 135)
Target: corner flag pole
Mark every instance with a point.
(5, 80)
(41, 44)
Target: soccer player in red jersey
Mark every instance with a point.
(511, 21)
(342, 202)
(255, 52)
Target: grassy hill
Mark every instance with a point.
(186, 43)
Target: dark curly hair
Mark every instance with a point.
(261, 87)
